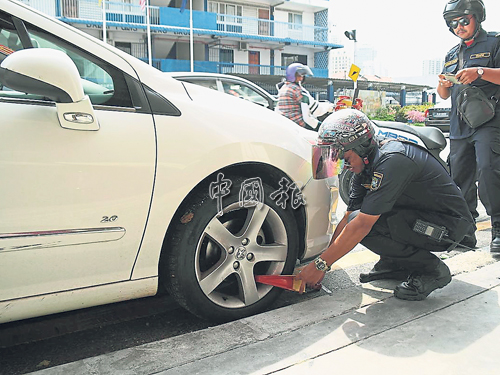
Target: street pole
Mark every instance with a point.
(148, 23)
(191, 43)
(351, 35)
(104, 21)
(354, 59)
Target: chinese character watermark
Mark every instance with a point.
(220, 189)
(281, 195)
(252, 193)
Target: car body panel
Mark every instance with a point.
(25, 308)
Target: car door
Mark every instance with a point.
(73, 203)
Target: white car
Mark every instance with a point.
(117, 179)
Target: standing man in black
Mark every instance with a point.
(402, 206)
(474, 153)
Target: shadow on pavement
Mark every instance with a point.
(439, 324)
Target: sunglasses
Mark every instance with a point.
(464, 21)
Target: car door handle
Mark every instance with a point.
(80, 118)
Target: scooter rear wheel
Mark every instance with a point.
(345, 184)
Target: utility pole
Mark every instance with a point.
(351, 35)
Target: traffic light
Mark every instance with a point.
(351, 35)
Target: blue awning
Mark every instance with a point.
(185, 30)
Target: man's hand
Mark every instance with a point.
(444, 82)
(443, 88)
(310, 275)
(467, 76)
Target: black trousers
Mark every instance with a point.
(478, 158)
(392, 237)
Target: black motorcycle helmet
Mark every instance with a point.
(344, 130)
(457, 8)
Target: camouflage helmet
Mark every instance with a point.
(348, 129)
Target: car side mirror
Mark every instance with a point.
(52, 74)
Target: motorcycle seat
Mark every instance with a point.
(433, 138)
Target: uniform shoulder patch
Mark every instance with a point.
(451, 62)
(376, 181)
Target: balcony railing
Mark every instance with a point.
(124, 13)
(91, 10)
(170, 65)
(257, 26)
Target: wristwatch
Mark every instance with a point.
(321, 265)
(480, 72)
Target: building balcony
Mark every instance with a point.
(165, 19)
(170, 65)
(298, 5)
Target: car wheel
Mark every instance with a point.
(345, 184)
(213, 255)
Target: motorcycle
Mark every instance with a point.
(430, 138)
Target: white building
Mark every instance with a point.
(254, 37)
(432, 67)
(340, 61)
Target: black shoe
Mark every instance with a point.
(420, 284)
(384, 269)
(469, 242)
(495, 235)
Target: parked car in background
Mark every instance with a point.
(439, 116)
(245, 89)
(233, 85)
(118, 179)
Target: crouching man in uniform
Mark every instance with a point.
(403, 206)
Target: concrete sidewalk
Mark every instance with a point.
(456, 330)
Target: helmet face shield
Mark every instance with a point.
(297, 68)
(304, 71)
(326, 161)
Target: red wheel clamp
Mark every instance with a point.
(288, 282)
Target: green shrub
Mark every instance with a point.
(413, 114)
(386, 113)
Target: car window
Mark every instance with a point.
(101, 82)
(205, 82)
(244, 92)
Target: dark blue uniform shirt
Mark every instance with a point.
(484, 52)
(406, 177)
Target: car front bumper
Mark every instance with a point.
(321, 204)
